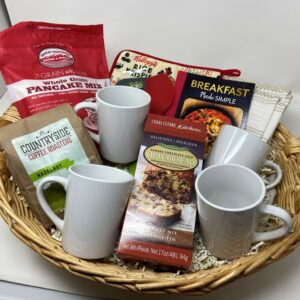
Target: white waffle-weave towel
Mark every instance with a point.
(267, 106)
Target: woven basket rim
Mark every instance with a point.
(26, 227)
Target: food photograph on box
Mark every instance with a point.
(144, 170)
(160, 219)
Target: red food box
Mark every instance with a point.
(160, 217)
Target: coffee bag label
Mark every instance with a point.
(38, 150)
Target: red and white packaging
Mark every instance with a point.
(45, 65)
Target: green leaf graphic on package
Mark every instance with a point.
(39, 174)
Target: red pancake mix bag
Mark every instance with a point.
(45, 65)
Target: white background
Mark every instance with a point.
(261, 38)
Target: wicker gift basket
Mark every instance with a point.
(23, 224)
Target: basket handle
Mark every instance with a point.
(91, 105)
(272, 165)
(43, 202)
(277, 233)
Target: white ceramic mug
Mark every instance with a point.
(121, 112)
(237, 146)
(230, 201)
(96, 198)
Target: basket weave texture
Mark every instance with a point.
(24, 225)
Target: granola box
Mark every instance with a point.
(160, 217)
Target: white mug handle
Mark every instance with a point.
(277, 233)
(91, 105)
(43, 202)
(272, 165)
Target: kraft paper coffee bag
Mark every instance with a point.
(47, 143)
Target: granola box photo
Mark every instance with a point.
(161, 213)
